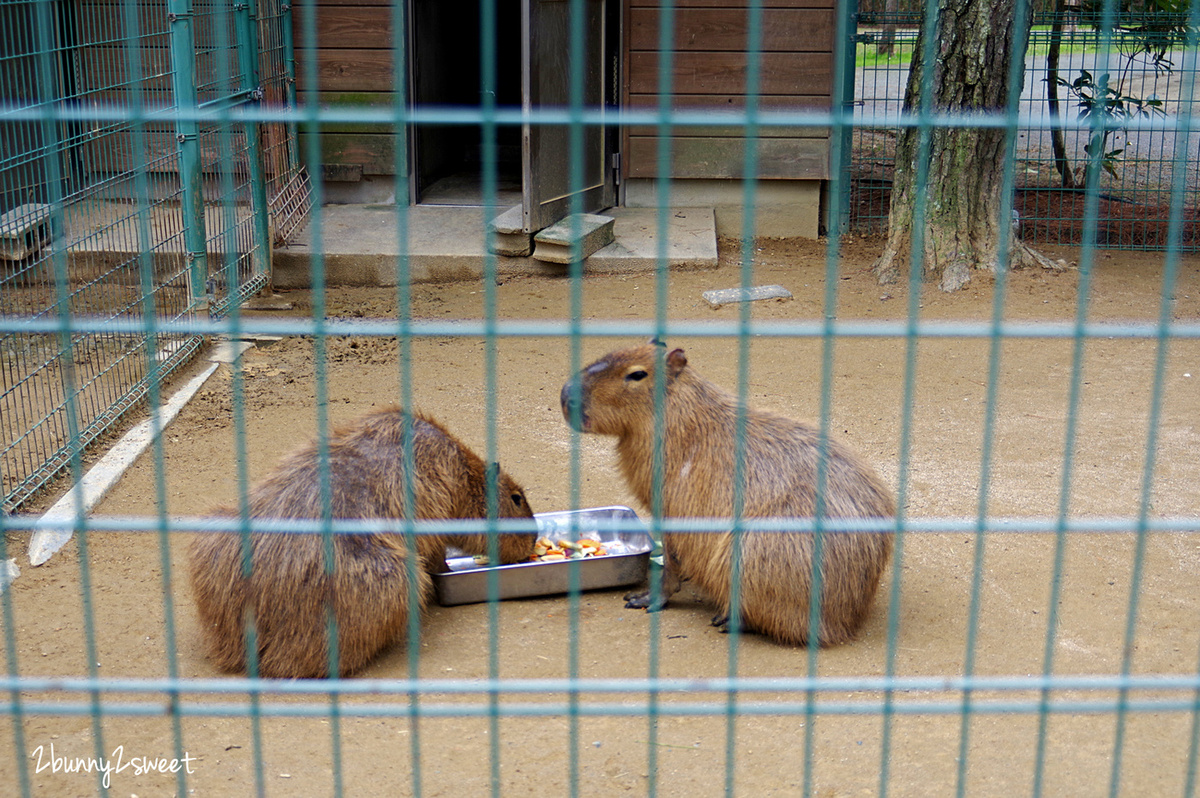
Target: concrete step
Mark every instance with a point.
(508, 234)
(574, 238)
(361, 245)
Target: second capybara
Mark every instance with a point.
(289, 593)
(616, 396)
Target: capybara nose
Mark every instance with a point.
(572, 405)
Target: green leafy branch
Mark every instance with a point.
(1115, 110)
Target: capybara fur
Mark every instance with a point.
(288, 594)
(616, 396)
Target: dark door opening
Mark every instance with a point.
(447, 73)
(534, 168)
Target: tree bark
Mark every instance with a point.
(886, 43)
(962, 197)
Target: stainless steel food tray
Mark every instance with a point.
(618, 528)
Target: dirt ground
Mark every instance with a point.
(612, 750)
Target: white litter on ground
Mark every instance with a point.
(724, 296)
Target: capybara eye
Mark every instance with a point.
(636, 376)
(516, 499)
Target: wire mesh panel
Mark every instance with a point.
(96, 216)
(287, 186)
(1026, 622)
(248, 173)
(90, 228)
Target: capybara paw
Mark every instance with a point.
(644, 601)
(724, 624)
(637, 601)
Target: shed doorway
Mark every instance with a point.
(533, 163)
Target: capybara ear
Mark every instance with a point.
(676, 360)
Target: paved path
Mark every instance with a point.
(1149, 147)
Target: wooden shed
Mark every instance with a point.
(354, 65)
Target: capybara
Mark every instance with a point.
(289, 592)
(616, 396)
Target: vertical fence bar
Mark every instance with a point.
(49, 95)
(845, 79)
(490, 177)
(12, 663)
(751, 143)
(1178, 195)
(402, 49)
(131, 19)
(663, 169)
(246, 27)
(288, 41)
(187, 135)
(1144, 511)
(847, 26)
(576, 180)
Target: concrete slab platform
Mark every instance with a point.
(443, 243)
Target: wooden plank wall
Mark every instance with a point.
(709, 72)
(353, 65)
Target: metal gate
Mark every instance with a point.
(131, 188)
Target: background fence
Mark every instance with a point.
(1144, 65)
(1036, 633)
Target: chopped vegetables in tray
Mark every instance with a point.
(549, 550)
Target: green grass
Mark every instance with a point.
(867, 57)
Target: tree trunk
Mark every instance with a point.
(886, 43)
(962, 203)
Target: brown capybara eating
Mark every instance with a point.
(616, 396)
(288, 594)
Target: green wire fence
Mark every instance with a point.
(114, 208)
(153, 154)
(1147, 78)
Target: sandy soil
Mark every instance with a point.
(612, 752)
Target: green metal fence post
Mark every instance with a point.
(246, 23)
(287, 35)
(187, 135)
(847, 28)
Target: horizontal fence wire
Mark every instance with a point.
(600, 328)
(684, 715)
